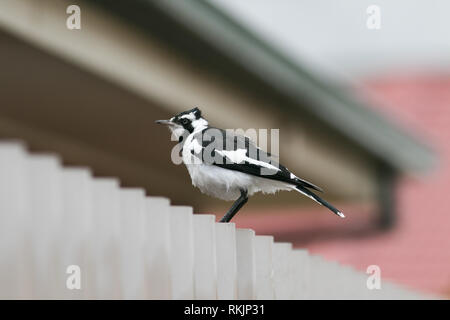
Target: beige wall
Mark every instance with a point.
(92, 95)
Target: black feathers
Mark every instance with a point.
(319, 200)
(257, 162)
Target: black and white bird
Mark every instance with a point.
(229, 166)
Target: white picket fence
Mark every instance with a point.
(131, 246)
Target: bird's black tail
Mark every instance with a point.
(318, 199)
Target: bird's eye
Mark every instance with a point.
(184, 121)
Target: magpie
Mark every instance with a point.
(230, 166)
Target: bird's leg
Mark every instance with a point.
(237, 205)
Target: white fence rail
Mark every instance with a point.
(122, 244)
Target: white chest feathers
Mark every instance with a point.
(224, 183)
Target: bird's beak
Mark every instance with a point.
(166, 122)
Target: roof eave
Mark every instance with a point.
(335, 107)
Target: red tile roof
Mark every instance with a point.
(416, 253)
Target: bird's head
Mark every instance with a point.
(185, 122)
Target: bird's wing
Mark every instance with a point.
(237, 152)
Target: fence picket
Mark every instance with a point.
(299, 263)
(205, 257)
(13, 206)
(281, 258)
(74, 228)
(263, 261)
(157, 248)
(132, 207)
(246, 269)
(226, 261)
(45, 207)
(105, 241)
(182, 252)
